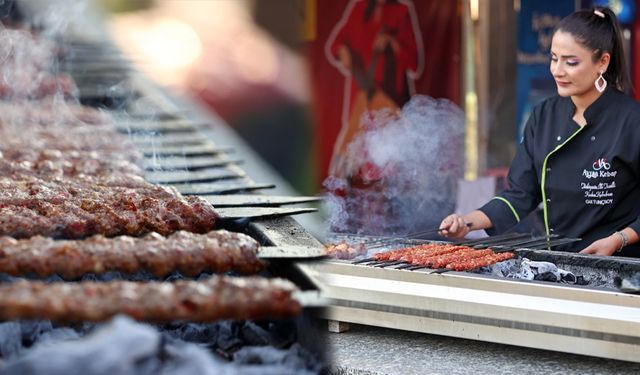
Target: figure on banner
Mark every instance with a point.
(377, 46)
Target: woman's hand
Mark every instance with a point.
(604, 246)
(454, 226)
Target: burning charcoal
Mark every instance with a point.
(33, 329)
(567, 277)
(282, 333)
(59, 334)
(546, 276)
(10, 339)
(125, 347)
(505, 268)
(107, 276)
(295, 360)
(545, 271)
(526, 269)
(203, 276)
(54, 279)
(173, 277)
(581, 280)
(255, 335)
(629, 284)
(120, 347)
(193, 332)
(190, 359)
(227, 337)
(521, 270)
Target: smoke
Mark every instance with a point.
(40, 110)
(49, 65)
(29, 54)
(24, 62)
(401, 171)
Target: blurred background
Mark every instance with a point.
(243, 59)
(274, 71)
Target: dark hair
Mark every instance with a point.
(600, 35)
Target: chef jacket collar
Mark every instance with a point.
(595, 110)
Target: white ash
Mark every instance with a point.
(10, 339)
(295, 359)
(126, 347)
(526, 269)
(629, 284)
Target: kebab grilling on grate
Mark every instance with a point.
(190, 253)
(344, 250)
(54, 165)
(85, 205)
(458, 258)
(219, 297)
(63, 179)
(132, 214)
(103, 140)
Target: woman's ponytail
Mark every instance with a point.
(599, 30)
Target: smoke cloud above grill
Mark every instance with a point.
(401, 170)
(23, 58)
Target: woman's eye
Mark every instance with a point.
(572, 62)
(553, 58)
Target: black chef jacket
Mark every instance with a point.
(587, 179)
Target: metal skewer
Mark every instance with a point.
(387, 240)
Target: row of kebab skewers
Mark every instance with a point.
(443, 256)
(74, 201)
(439, 256)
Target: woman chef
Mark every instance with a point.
(580, 154)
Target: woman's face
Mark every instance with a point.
(572, 66)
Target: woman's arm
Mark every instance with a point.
(615, 242)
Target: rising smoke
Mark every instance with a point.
(403, 170)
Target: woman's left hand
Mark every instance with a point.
(604, 246)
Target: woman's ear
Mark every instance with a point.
(603, 64)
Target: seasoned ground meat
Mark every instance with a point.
(189, 253)
(218, 297)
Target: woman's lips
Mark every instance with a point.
(562, 84)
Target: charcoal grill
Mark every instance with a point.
(179, 150)
(594, 319)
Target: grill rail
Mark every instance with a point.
(564, 318)
(596, 319)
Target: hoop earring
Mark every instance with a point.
(600, 83)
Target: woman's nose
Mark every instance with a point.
(556, 69)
